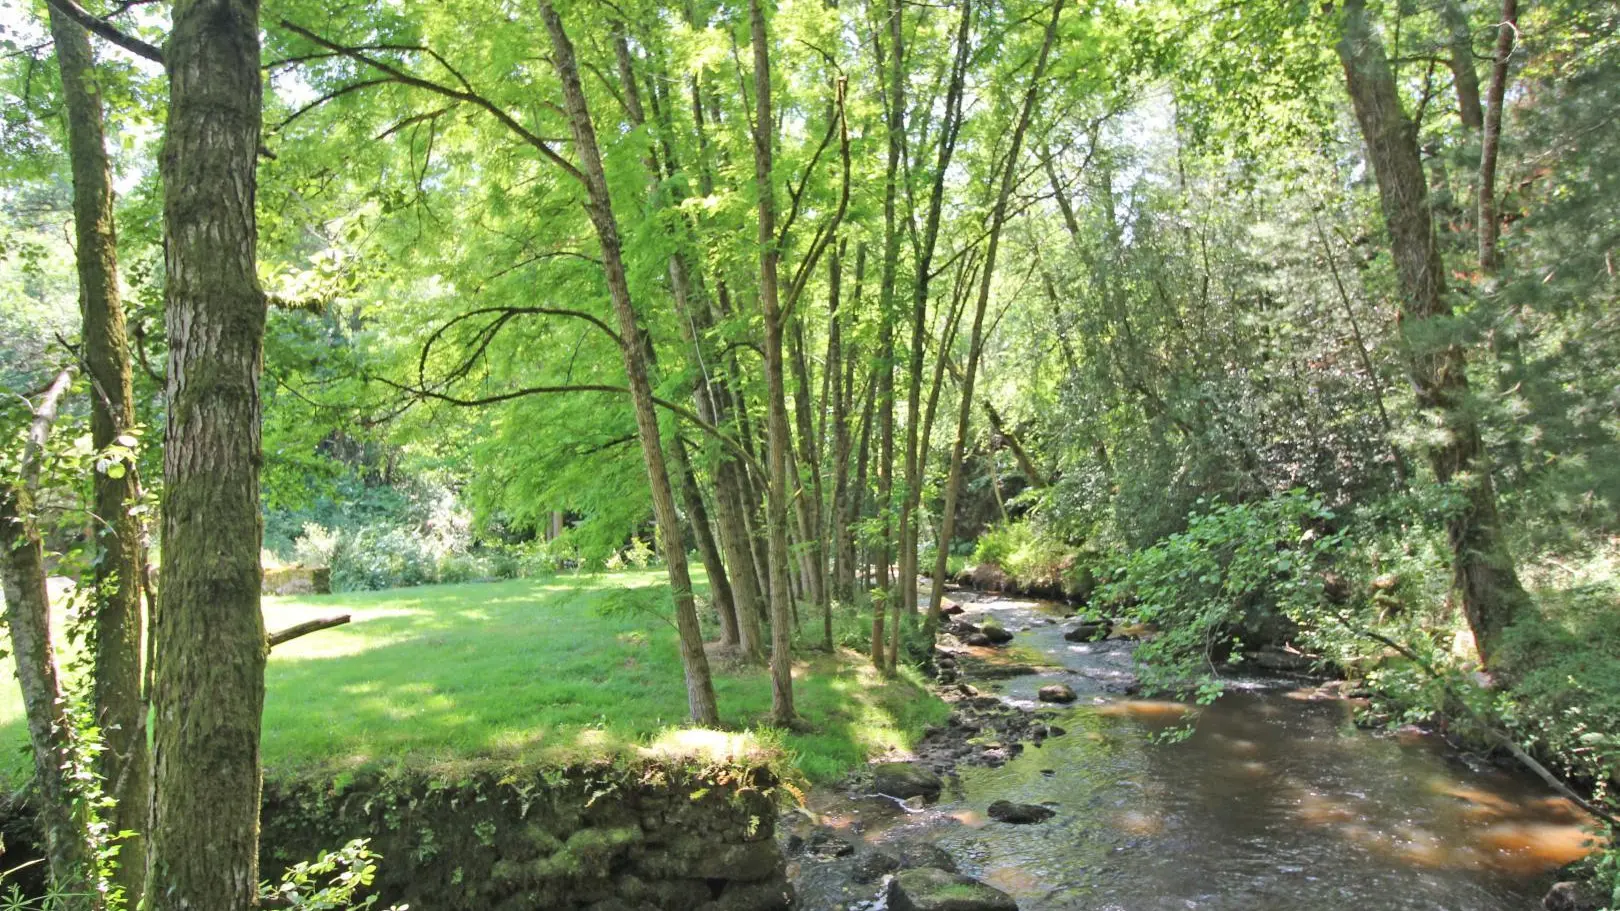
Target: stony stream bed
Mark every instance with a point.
(1275, 801)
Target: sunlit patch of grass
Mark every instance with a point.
(532, 670)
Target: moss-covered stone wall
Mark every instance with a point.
(605, 838)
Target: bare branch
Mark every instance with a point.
(464, 94)
(106, 30)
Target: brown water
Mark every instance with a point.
(1276, 801)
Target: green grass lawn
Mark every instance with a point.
(544, 670)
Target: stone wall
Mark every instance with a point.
(605, 838)
(297, 580)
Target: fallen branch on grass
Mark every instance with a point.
(309, 626)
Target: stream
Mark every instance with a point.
(1276, 801)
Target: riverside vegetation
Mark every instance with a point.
(627, 368)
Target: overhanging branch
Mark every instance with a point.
(106, 30)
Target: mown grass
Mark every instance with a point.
(559, 670)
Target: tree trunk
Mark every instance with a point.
(919, 315)
(708, 549)
(895, 113)
(853, 488)
(811, 517)
(599, 207)
(782, 712)
(28, 622)
(203, 843)
(119, 704)
(1482, 567)
(835, 416)
(1490, 225)
(998, 218)
(1460, 44)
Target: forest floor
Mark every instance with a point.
(557, 670)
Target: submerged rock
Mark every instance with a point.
(917, 854)
(1057, 692)
(1572, 896)
(928, 889)
(825, 844)
(995, 632)
(873, 866)
(1020, 813)
(905, 779)
(1089, 630)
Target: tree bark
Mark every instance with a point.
(119, 704)
(599, 207)
(28, 622)
(203, 843)
(708, 549)
(835, 416)
(998, 218)
(1483, 569)
(1460, 44)
(1490, 225)
(782, 712)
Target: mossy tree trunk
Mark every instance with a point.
(203, 841)
(1484, 574)
(119, 704)
(28, 623)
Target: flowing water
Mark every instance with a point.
(1276, 801)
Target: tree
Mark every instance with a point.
(119, 701)
(208, 694)
(599, 206)
(1008, 179)
(51, 732)
(1484, 575)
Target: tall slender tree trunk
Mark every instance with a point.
(835, 418)
(203, 842)
(919, 314)
(28, 622)
(119, 703)
(691, 495)
(895, 114)
(708, 548)
(1490, 224)
(853, 487)
(782, 712)
(599, 207)
(812, 499)
(1483, 569)
(998, 218)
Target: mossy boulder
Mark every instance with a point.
(928, 889)
(905, 779)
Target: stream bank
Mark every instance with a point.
(1275, 800)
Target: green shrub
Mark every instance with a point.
(1033, 558)
(1239, 573)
